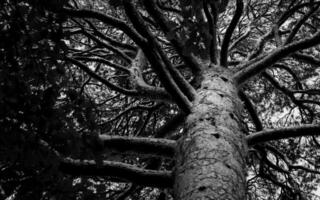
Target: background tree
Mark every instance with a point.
(159, 99)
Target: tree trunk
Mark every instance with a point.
(211, 154)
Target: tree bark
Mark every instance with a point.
(211, 154)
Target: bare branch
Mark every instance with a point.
(101, 79)
(110, 40)
(252, 111)
(237, 41)
(83, 13)
(117, 171)
(283, 133)
(300, 23)
(158, 60)
(306, 58)
(154, 11)
(125, 57)
(144, 90)
(228, 34)
(142, 145)
(103, 61)
(245, 74)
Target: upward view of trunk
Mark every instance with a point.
(211, 154)
(160, 99)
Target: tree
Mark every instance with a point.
(200, 99)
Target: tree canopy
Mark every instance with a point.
(95, 95)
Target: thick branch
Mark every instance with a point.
(213, 32)
(161, 147)
(251, 110)
(227, 36)
(245, 74)
(171, 125)
(283, 133)
(154, 11)
(157, 59)
(117, 171)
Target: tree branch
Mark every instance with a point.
(251, 110)
(245, 74)
(111, 41)
(306, 58)
(157, 94)
(83, 13)
(154, 11)
(299, 24)
(101, 79)
(142, 145)
(157, 60)
(228, 34)
(117, 171)
(102, 61)
(283, 133)
(237, 41)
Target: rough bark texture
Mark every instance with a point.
(211, 155)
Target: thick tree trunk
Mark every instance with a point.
(211, 154)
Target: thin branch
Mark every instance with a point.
(237, 41)
(301, 167)
(291, 72)
(101, 79)
(83, 13)
(128, 110)
(299, 24)
(283, 133)
(125, 57)
(103, 61)
(306, 58)
(110, 40)
(308, 91)
(291, 11)
(144, 90)
(287, 92)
